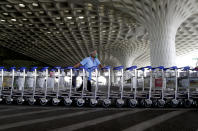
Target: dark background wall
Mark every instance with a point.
(10, 58)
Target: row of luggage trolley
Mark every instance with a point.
(131, 87)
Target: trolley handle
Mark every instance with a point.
(57, 67)
(45, 68)
(173, 68)
(131, 68)
(159, 67)
(142, 69)
(146, 67)
(75, 69)
(12, 68)
(33, 68)
(22, 68)
(52, 69)
(106, 68)
(185, 68)
(118, 68)
(69, 67)
(81, 68)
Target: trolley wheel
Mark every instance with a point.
(31, 101)
(148, 103)
(142, 102)
(174, 103)
(195, 104)
(181, 102)
(161, 103)
(119, 102)
(8, 100)
(93, 102)
(1, 99)
(133, 103)
(106, 103)
(67, 101)
(20, 100)
(55, 101)
(80, 102)
(155, 103)
(43, 101)
(188, 103)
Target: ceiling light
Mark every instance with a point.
(3, 20)
(69, 17)
(89, 4)
(9, 6)
(103, 31)
(29, 13)
(10, 25)
(13, 19)
(58, 18)
(5, 13)
(48, 32)
(20, 24)
(21, 5)
(81, 17)
(41, 12)
(113, 30)
(35, 4)
(24, 19)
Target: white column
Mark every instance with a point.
(162, 47)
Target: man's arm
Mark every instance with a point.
(99, 64)
(82, 63)
(77, 65)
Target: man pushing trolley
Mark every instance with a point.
(88, 64)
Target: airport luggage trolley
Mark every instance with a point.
(56, 87)
(41, 92)
(82, 96)
(68, 96)
(193, 85)
(19, 91)
(144, 95)
(171, 94)
(32, 83)
(106, 96)
(93, 98)
(160, 84)
(132, 98)
(118, 96)
(7, 91)
(184, 77)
